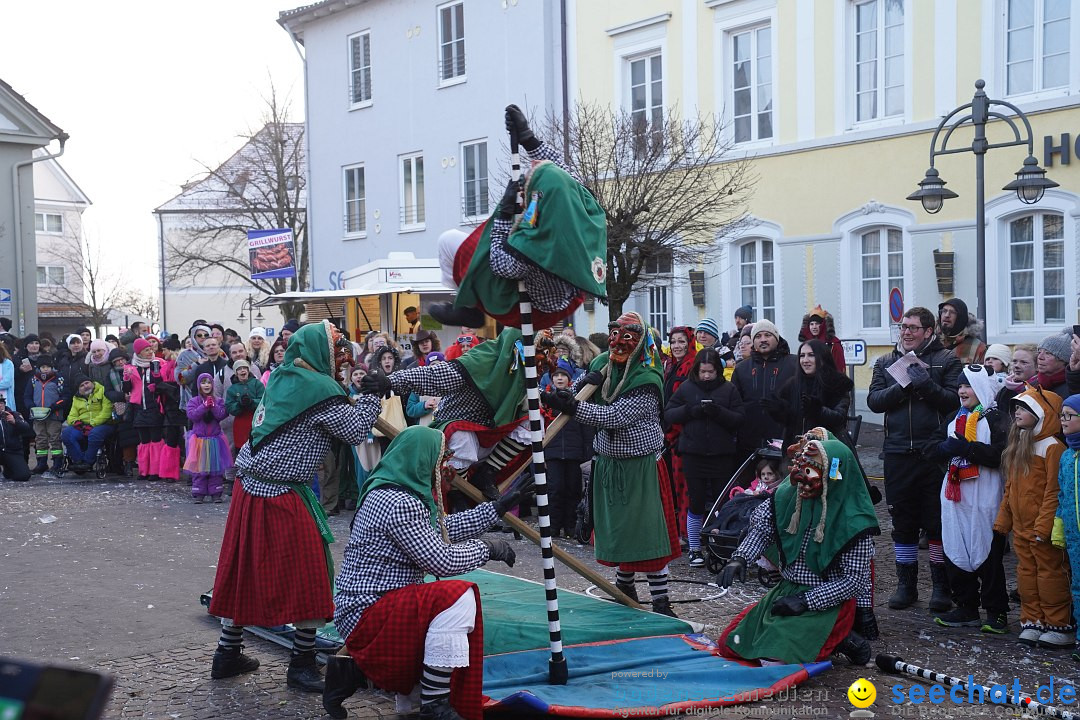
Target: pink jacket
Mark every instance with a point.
(142, 381)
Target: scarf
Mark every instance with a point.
(140, 362)
(1017, 386)
(1073, 441)
(966, 426)
(1049, 382)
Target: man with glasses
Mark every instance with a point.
(915, 413)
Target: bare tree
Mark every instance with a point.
(261, 187)
(141, 304)
(670, 187)
(97, 292)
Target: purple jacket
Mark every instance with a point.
(204, 420)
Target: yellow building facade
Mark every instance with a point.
(836, 102)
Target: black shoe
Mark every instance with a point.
(662, 606)
(866, 623)
(960, 617)
(996, 624)
(907, 591)
(940, 599)
(855, 648)
(303, 674)
(350, 504)
(343, 678)
(1014, 595)
(627, 589)
(447, 314)
(40, 468)
(438, 710)
(230, 662)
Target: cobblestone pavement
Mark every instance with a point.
(107, 574)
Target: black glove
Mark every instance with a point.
(789, 605)
(245, 401)
(774, 406)
(810, 403)
(512, 499)
(953, 446)
(919, 377)
(711, 409)
(500, 550)
(696, 411)
(508, 205)
(593, 377)
(734, 570)
(561, 400)
(376, 384)
(516, 124)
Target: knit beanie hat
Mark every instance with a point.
(140, 345)
(999, 351)
(257, 332)
(117, 354)
(1073, 401)
(563, 367)
(29, 338)
(1059, 345)
(709, 325)
(746, 312)
(292, 325)
(435, 357)
(237, 364)
(765, 326)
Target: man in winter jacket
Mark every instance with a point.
(12, 431)
(916, 408)
(757, 379)
(88, 423)
(959, 332)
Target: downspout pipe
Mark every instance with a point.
(161, 259)
(307, 171)
(20, 296)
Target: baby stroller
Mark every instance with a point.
(726, 523)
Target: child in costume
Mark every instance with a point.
(208, 455)
(970, 497)
(822, 523)
(400, 631)
(1067, 519)
(1030, 464)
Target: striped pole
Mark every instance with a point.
(557, 670)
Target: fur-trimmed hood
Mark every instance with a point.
(830, 327)
(973, 329)
(570, 345)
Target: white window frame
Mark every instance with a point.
(730, 19)
(45, 217)
(656, 296)
(636, 41)
(1000, 211)
(415, 193)
(1000, 10)
(885, 278)
(48, 276)
(361, 231)
(759, 285)
(848, 78)
(482, 184)
(353, 70)
(459, 76)
(753, 32)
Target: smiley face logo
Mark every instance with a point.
(862, 693)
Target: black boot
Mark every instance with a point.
(940, 599)
(343, 678)
(42, 465)
(230, 662)
(907, 586)
(303, 674)
(855, 648)
(627, 589)
(866, 623)
(447, 314)
(438, 710)
(662, 606)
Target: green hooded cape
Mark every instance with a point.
(849, 514)
(497, 372)
(409, 464)
(563, 231)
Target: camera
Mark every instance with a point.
(29, 691)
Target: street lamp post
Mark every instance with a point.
(250, 307)
(1030, 183)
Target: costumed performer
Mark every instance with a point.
(275, 565)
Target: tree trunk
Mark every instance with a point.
(291, 310)
(615, 308)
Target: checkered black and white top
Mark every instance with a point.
(547, 292)
(393, 544)
(628, 427)
(297, 448)
(460, 400)
(849, 578)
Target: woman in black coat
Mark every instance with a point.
(818, 396)
(710, 410)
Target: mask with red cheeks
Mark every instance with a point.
(807, 470)
(623, 337)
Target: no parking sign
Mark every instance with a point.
(896, 305)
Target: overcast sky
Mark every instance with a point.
(147, 91)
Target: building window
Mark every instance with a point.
(452, 42)
(656, 273)
(1036, 45)
(1037, 270)
(355, 201)
(360, 69)
(49, 223)
(412, 192)
(879, 59)
(659, 316)
(757, 278)
(751, 84)
(474, 181)
(882, 267)
(646, 100)
(50, 276)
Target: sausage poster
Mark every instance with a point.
(271, 253)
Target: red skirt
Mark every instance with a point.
(654, 564)
(272, 566)
(388, 642)
(241, 429)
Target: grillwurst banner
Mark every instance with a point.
(271, 253)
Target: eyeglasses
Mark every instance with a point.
(1068, 417)
(201, 335)
(911, 328)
